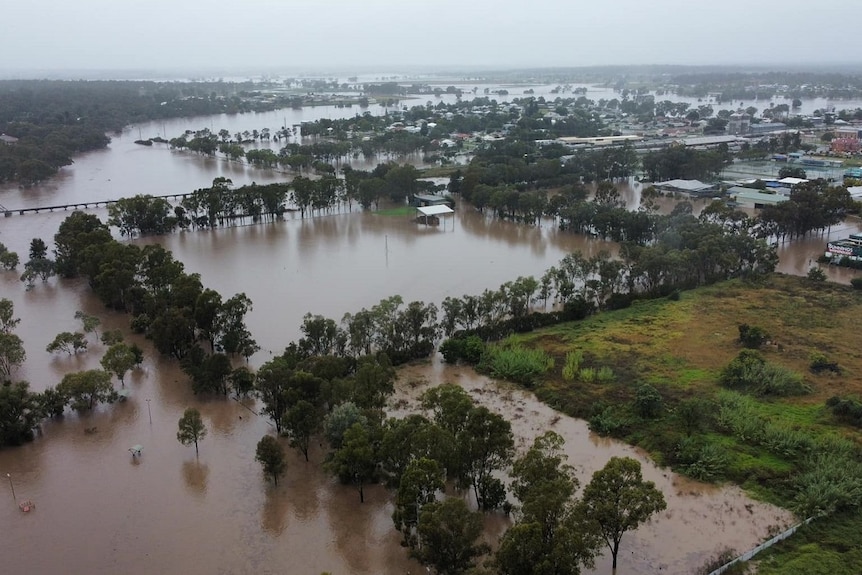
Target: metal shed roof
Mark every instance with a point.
(435, 210)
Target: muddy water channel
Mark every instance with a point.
(700, 518)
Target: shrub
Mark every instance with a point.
(737, 416)
(648, 401)
(468, 349)
(816, 275)
(452, 350)
(752, 336)
(750, 372)
(573, 364)
(605, 422)
(784, 441)
(605, 374)
(856, 283)
(847, 409)
(515, 363)
(674, 295)
(830, 482)
(587, 374)
(701, 460)
(818, 363)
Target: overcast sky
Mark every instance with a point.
(339, 35)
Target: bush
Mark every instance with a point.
(515, 363)
(818, 363)
(830, 482)
(573, 364)
(587, 375)
(847, 409)
(856, 283)
(816, 275)
(452, 349)
(468, 349)
(605, 374)
(648, 401)
(674, 295)
(701, 460)
(752, 336)
(606, 422)
(577, 309)
(751, 373)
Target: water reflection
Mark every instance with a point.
(273, 516)
(195, 475)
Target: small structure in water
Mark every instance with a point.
(430, 215)
(136, 450)
(27, 506)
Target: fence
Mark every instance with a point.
(765, 545)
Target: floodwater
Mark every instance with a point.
(98, 510)
(700, 519)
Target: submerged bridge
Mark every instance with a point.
(7, 212)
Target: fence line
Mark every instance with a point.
(765, 545)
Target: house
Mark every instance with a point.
(9, 140)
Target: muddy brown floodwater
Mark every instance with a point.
(700, 519)
(98, 510)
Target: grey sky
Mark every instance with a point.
(339, 35)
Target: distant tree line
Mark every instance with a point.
(56, 119)
(222, 204)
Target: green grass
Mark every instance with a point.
(824, 547)
(397, 212)
(681, 347)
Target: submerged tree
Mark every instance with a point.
(119, 359)
(447, 533)
(68, 342)
(85, 389)
(617, 500)
(270, 454)
(191, 428)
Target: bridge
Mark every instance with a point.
(78, 206)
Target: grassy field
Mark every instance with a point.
(400, 211)
(774, 446)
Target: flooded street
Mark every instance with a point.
(101, 511)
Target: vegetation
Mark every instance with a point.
(447, 533)
(270, 454)
(770, 431)
(191, 428)
(71, 343)
(54, 120)
(617, 500)
(789, 439)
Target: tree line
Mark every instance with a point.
(222, 204)
(53, 120)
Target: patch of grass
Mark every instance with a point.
(823, 547)
(515, 363)
(680, 349)
(400, 211)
